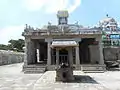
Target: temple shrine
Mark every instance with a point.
(48, 47)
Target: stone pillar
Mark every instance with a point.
(57, 56)
(33, 52)
(39, 53)
(101, 51)
(29, 47)
(49, 54)
(29, 51)
(77, 58)
(26, 50)
(70, 55)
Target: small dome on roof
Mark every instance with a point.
(62, 13)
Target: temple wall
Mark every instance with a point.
(111, 53)
(7, 57)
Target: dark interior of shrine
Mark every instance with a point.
(63, 56)
(84, 50)
(63, 53)
(41, 48)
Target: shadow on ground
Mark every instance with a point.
(83, 79)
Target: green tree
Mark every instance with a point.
(3, 47)
(16, 45)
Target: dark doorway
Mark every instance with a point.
(84, 50)
(63, 56)
(41, 47)
(43, 52)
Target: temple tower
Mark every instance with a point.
(62, 17)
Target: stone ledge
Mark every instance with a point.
(93, 68)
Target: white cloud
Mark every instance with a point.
(11, 32)
(74, 6)
(51, 6)
(34, 5)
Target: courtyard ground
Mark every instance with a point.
(12, 78)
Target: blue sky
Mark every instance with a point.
(14, 14)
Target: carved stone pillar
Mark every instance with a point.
(33, 52)
(70, 55)
(57, 56)
(29, 51)
(26, 50)
(39, 52)
(77, 58)
(29, 47)
(101, 51)
(49, 54)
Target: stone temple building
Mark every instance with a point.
(52, 45)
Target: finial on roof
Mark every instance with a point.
(26, 26)
(29, 27)
(49, 23)
(107, 15)
(76, 22)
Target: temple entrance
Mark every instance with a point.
(63, 56)
(84, 50)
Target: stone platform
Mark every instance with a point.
(82, 82)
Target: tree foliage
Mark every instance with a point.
(15, 45)
(3, 47)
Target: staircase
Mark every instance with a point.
(93, 68)
(32, 69)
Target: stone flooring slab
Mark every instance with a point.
(12, 78)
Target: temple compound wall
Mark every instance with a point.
(109, 54)
(8, 57)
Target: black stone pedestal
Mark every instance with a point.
(64, 73)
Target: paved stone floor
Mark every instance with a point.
(11, 78)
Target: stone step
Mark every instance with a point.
(93, 71)
(34, 66)
(114, 69)
(91, 68)
(34, 70)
